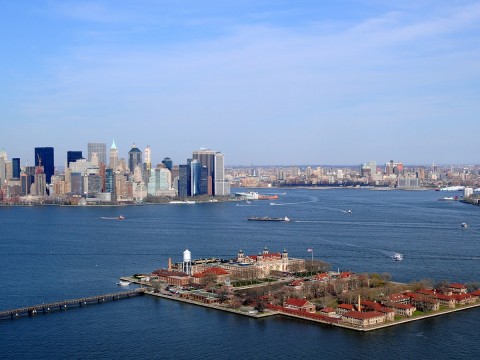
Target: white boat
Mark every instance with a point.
(123, 283)
(252, 195)
(349, 211)
(464, 225)
(397, 257)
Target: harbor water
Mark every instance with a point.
(53, 253)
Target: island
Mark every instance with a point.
(273, 284)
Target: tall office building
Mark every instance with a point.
(109, 181)
(16, 168)
(100, 149)
(40, 181)
(184, 180)
(73, 156)
(134, 158)
(113, 156)
(203, 180)
(45, 156)
(206, 157)
(168, 163)
(221, 186)
(195, 173)
(148, 158)
(3, 169)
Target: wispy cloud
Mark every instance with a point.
(309, 84)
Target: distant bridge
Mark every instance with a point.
(64, 305)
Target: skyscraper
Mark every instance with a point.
(45, 155)
(168, 163)
(206, 157)
(113, 156)
(73, 156)
(148, 158)
(16, 168)
(221, 186)
(100, 149)
(134, 158)
(184, 180)
(215, 163)
(3, 169)
(195, 173)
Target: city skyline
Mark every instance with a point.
(266, 83)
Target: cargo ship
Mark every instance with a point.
(255, 218)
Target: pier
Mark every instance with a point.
(66, 304)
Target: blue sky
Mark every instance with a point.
(265, 82)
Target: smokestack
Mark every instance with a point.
(359, 306)
(169, 264)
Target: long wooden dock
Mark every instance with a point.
(64, 305)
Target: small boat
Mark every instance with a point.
(121, 217)
(123, 283)
(464, 225)
(397, 257)
(255, 218)
(349, 211)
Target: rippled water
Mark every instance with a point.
(54, 253)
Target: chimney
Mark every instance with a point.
(359, 306)
(169, 264)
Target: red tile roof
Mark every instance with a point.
(296, 302)
(214, 271)
(363, 316)
(475, 293)
(296, 283)
(346, 306)
(457, 286)
(327, 310)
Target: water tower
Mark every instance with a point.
(187, 262)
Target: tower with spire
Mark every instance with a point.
(113, 156)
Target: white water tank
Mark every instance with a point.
(187, 256)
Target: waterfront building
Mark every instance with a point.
(184, 180)
(100, 149)
(160, 182)
(73, 156)
(40, 182)
(92, 183)
(206, 157)
(76, 183)
(215, 163)
(204, 180)
(195, 174)
(265, 262)
(44, 156)
(407, 182)
(109, 180)
(299, 305)
(222, 186)
(363, 319)
(113, 156)
(58, 185)
(16, 168)
(26, 183)
(134, 158)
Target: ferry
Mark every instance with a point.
(255, 218)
